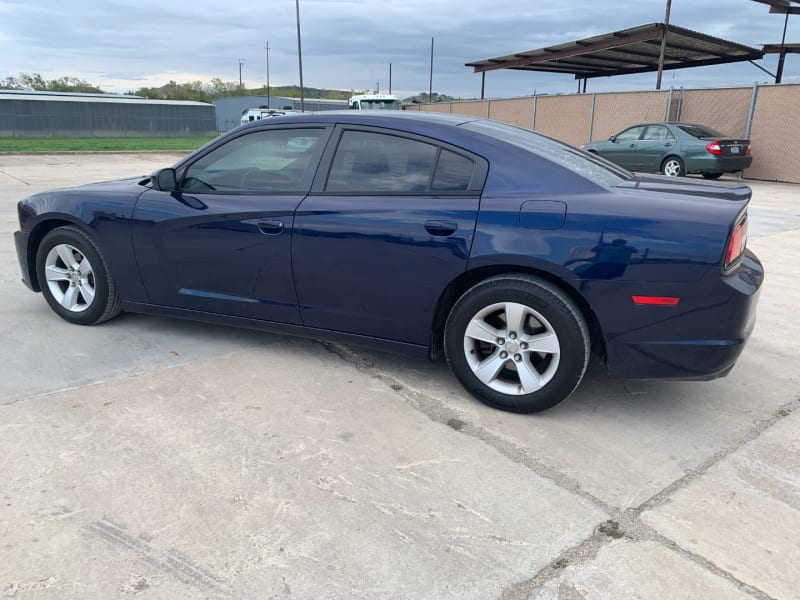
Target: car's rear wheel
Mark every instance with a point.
(74, 278)
(712, 175)
(517, 343)
(673, 167)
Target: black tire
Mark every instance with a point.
(712, 175)
(104, 303)
(673, 167)
(556, 314)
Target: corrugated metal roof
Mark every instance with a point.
(633, 50)
(782, 7)
(111, 98)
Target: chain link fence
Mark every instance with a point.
(767, 114)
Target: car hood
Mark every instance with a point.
(733, 191)
(133, 184)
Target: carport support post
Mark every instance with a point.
(483, 83)
(663, 46)
(782, 55)
(591, 118)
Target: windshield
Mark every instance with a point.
(379, 104)
(585, 164)
(700, 132)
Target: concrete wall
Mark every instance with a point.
(579, 118)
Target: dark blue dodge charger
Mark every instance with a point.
(512, 254)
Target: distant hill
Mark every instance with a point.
(293, 91)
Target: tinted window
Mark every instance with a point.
(262, 161)
(587, 165)
(700, 132)
(453, 172)
(630, 134)
(657, 132)
(375, 162)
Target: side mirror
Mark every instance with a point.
(613, 138)
(164, 180)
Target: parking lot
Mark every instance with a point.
(160, 458)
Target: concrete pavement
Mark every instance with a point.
(156, 458)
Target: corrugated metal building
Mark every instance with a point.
(61, 114)
(229, 110)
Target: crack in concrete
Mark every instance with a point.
(7, 174)
(627, 522)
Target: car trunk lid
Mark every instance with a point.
(733, 191)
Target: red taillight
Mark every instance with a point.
(748, 148)
(737, 243)
(713, 148)
(656, 300)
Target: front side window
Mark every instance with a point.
(276, 160)
(657, 133)
(368, 162)
(630, 134)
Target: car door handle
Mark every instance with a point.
(668, 145)
(270, 227)
(632, 146)
(435, 227)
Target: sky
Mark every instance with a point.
(348, 44)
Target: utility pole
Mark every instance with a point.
(390, 78)
(430, 81)
(241, 62)
(663, 46)
(266, 47)
(300, 57)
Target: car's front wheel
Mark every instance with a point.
(673, 167)
(517, 343)
(74, 278)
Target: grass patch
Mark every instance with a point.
(102, 144)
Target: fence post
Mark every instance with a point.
(451, 108)
(680, 105)
(488, 108)
(591, 118)
(533, 116)
(750, 114)
(669, 105)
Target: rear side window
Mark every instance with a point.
(373, 163)
(453, 172)
(700, 132)
(585, 164)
